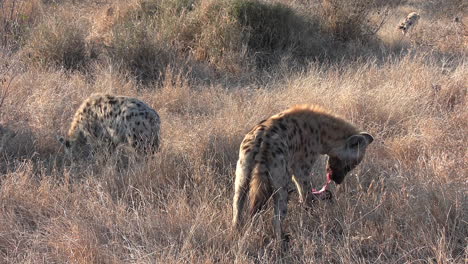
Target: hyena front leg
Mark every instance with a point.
(302, 180)
(280, 200)
(280, 179)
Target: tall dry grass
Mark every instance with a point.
(16, 18)
(406, 202)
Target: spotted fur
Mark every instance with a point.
(283, 148)
(108, 121)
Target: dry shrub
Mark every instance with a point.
(45, 99)
(78, 243)
(231, 36)
(138, 40)
(136, 47)
(202, 30)
(443, 35)
(16, 18)
(8, 73)
(59, 41)
(445, 8)
(442, 27)
(108, 79)
(146, 38)
(102, 20)
(346, 19)
(5, 79)
(66, 239)
(349, 20)
(271, 29)
(213, 36)
(246, 33)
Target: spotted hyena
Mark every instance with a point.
(282, 149)
(109, 121)
(410, 22)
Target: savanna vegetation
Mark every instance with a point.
(213, 69)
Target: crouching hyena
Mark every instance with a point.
(283, 148)
(108, 121)
(410, 22)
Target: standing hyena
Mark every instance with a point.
(283, 148)
(108, 121)
(410, 22)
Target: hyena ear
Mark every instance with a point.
(369, 137)
(360, 140)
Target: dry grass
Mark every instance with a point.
(16, 17)
(406, 203)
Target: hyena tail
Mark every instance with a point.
(260, 189)
(241, 189)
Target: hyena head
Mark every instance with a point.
(76, 147)
(345, 158)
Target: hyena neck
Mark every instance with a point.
(333, 133)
